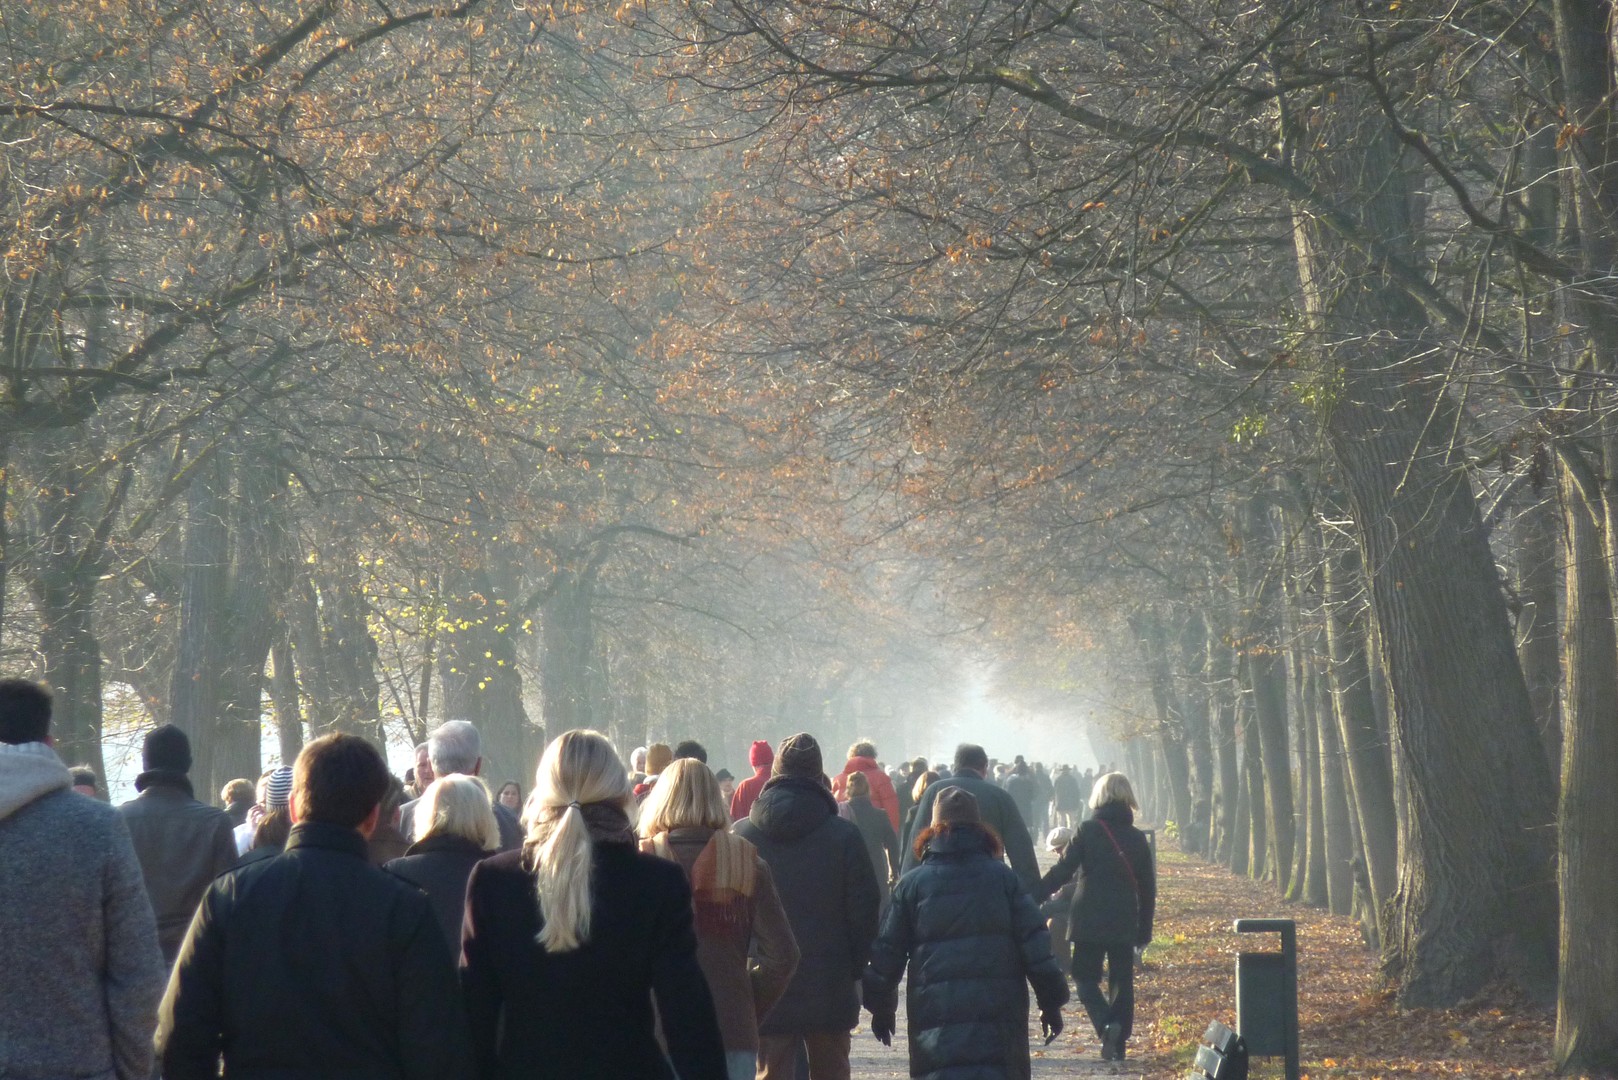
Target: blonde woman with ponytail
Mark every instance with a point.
(568, 941)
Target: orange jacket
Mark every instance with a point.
(882, 793)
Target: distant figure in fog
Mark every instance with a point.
(881, 842)
(690, 748)
(82, 973)
(738, 914)
(973, 941)
(458, 832)
(727, 786)
(270, 822)
(1067, 797)
(316, 963)
(182, 844)
(761, 756)
(569, 941)
(923, 782)
(1112, 908)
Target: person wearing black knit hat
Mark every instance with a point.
(182, 844)
(824, 877)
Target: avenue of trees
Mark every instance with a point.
(1237, 378)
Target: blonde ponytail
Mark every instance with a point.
(580, 768)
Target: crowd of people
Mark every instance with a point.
(646, 919)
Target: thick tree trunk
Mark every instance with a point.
(1586, 1020)
(1228, 784)
(284, 696)
(1338, 835)
(1174, 779)
(72, 665)
(1474, 898)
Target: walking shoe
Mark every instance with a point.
(1112, 1042)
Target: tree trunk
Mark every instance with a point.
(1194, 709)
(1228, 784)
(1474, 899)
(1535, 535)
(1339, 847)
(1174, 779)
(1365, 749)
(479, 677)
(72, 664)
(284, 696)
(1266, 660)
(1586, 1021)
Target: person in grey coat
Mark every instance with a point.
(78, 942)
(182, 844)
(999, 813)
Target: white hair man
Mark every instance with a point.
(454, 747)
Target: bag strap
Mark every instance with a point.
(1129, 867)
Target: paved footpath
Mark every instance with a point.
(1076, 1052)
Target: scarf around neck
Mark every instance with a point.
(722, 881)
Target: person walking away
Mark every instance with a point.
(316, 963)
(78, 942)
(1042, 799)
(86, 782)
(1056, 909)
(830, 893)
(273, 823)
(998, 810)
(568, 942)
(1020, 786)
(456, 747)
(973, 941)
(658, 758)
(761, 756)
(881, 843)
(387, 842)
(862, 760)
(182, 844)
(1112, 910)
(460, 832)
(1066, 796)
(923, 782)
(727, 786)
(737, 912)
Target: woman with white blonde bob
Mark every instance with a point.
(1112, 907)
(455, 830)
(568, 941)
(739, 917)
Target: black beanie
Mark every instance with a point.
(166, 750)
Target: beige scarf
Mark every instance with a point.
(722, 881)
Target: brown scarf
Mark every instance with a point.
(722, 882)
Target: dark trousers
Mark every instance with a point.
(827, 1052)
(1117, 1005)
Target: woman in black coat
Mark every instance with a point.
(569, 940)
(455, 830)
(974, 941)
(1112, 908)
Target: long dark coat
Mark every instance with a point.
(974, 941)
(829, 890)
(1116, 897)
(588, 1013)
(440, 866)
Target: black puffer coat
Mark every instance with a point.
(824, 877)
(1116, 897)
(974, 941)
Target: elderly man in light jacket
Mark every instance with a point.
(78, 943)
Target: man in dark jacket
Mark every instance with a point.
(973, 940)
(182, 844)
(827, 885)
(997, 808)
(317, 963)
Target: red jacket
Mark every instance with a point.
(746, 793)
(882, 793)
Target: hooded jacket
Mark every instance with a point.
(824, 877)
(1116, 897)
(883, 797)
(77, 935)
(973, 940)
(761, 757)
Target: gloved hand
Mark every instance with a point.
(882, 1026)
(1050, 1024)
